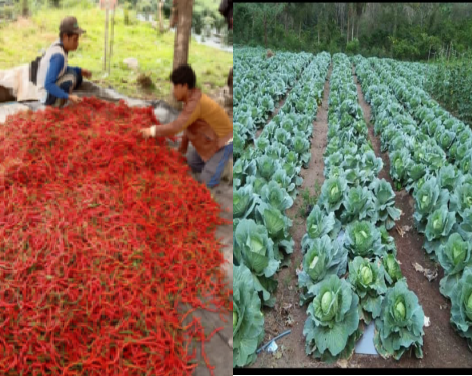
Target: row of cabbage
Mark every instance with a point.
(260, 83)
(420, 160)
(264, 184)
(450, 82)
(347, 233)
(414, 72)
(451, 134)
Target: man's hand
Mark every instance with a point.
(74, 98)
(86, 73)
(146, 132)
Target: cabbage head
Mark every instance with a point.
(448, 177)
(439, 225)
(301, 146)
(248, 320)
(461, 306)
(454, 256)
(461, 199)
(276, 196)
(368, 281)
(363, 239)
(428, 198)
(244, 201)
(332, 326)
(358, 204)
(399, 165)
(324, 257)
(386, 212)
(400, 325)
(392, 269)
(278, 227)
(332, 194)
(318, 224)
(267, 166)
(254, 248)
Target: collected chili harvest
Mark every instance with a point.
(104, 238)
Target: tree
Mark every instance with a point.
(349, 12)
(403, 30)
(182, 34)
(24, 8)
(360, 9)
(161, 20)
(265, 13)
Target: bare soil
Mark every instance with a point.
(443, 347)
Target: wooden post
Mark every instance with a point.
(111, 40)
(158, 16)
(429, 53)
(161, 23)
(106, 39)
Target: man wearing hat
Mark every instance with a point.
(55, 78)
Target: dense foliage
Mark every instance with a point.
(412, 31)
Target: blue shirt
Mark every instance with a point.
(56, 63)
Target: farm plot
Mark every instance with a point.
(355, 265)
(265, 178)
(346, 232)
(428, 162)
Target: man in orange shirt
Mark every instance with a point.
(205, 124)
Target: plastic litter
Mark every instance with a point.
(366, 343)
(272, 347)
(273, 340)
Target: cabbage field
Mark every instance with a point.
(388, 156)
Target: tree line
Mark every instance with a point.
(405, 31)
(204, 12)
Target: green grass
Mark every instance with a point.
(287, 280)
(21, 42)
(309, 200)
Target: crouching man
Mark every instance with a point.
(56, 79)
(205, 124)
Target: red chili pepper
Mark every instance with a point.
(104, 236)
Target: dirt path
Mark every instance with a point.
(443, 347)
(287, 294)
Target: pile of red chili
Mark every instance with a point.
(104, 237)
